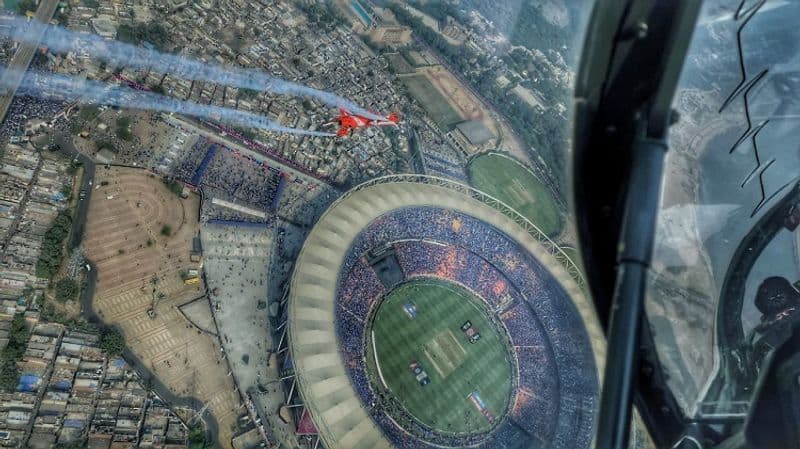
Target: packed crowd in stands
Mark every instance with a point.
(189, 161)
(523, 324)
(436, 164)
(238, 177)
(360, 289)
(440, 157)
(229, 175)
(201, 170)
(549, 341)
(210, 211)
(418, 258)
(189, 164)
(241, 178)
(235, 177)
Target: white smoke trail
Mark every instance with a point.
(60, 87)
(116, 53)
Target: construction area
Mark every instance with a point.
(139, 235)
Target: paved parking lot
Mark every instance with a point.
(237, 267)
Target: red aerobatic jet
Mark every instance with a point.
(348, 121)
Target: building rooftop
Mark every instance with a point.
(476, 132)
(105, 26)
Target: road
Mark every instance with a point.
(79, 220)
(22, 58)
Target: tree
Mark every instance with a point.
(124, 122)
(438, 10)
(66, 190)
(198, 439)
(12, 353)
(322, 15)
(154, 33)
(9, 376)
(166, 230)
(26, 6)
(174, 186)
(53, 246)
(112, 342)
(66, 289)
(124, 128)
(61, 16)
(80, 444)
(107, 145)
(75, 127)
(247, 133)
(72, 169)
(246, 94)
(89, 112)
(17, 338)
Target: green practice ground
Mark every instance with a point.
(512, 183)
(422, 90)
(456, 367)
(398, 63)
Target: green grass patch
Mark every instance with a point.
(511, 182)
(124, 128)
(23, 6)
(153, 32)
(455, 366)
(66, 289)
(112, 341)
(398, 63)
(424, 92)
(13, 352)
(173, 186)
(89, 112)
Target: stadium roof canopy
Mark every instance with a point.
(323, 382)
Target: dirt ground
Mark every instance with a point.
(458, 96)
(133, 275)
